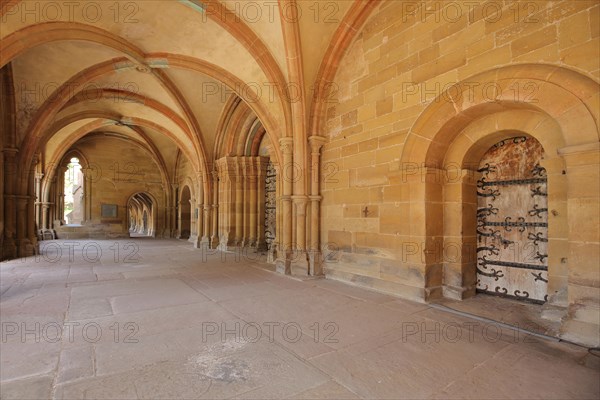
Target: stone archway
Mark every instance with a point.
(142, 214)
(73, 205)
(462, 171)
(81, 191)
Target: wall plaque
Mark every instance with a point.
(109, 210)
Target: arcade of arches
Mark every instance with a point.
(387, 146)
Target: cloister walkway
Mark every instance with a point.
(149, 319)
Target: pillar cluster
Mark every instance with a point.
(240, 190)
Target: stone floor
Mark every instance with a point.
(521, 314)
(156, 319)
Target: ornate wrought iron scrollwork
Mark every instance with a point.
(537, 211)
(484, 262)
(487, 211)
(505, 242)
(500, 290)
(493, 193)
(516, 140)
(494, 234)
(270, 204)
(491, 233)
(518, 294)
(496, 274)
(487, 169)
(479, 283)
(541, 257)
(536, 237)
(538, 192)
(538, 170)
(538, 277)
(508, 224)
(492, 250)
(482, 183)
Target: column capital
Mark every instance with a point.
(300, 201)
(286, 144)
(35, 159)
(316, 142)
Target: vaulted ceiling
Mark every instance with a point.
(163, 73)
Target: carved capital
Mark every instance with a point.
(316, 142)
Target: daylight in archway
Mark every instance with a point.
(302, 199)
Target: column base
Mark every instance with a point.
(272, 255)
(204, 243)
(261, 246)
(227, 244)
(458, 292)
(197, 242)
(9, 250)
(36, 245)
(283, 266)
(214, 242)
(25, 248)
(300, 264)
(315, 263)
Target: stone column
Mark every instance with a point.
(193, 222)
(31, 208)
(228, 182)
(87, 193)
(174, 214)
(239, 200)
(214, 236)
(60, 195)
(51, 199)
(314, 251)
(253, 201)
(276, 245)
(247, 165)
(300, 260)
(24, 245)
(197, 210)
(45, 215)
(179, 230)
(284, 256)
(9, 245)
(38, 199)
